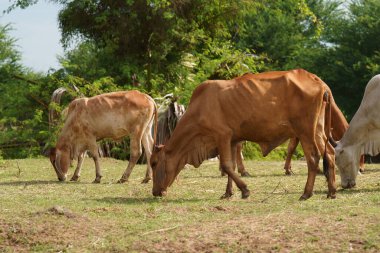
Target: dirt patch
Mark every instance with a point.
(55, 229)
(103, 209)
(58, 210)
(273, 233)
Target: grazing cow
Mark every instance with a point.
(111, 115)
(266, 108)
(362, 135)
(169, 113)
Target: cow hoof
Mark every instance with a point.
(331, 196)
(227, 195)
(305, 196)
(245, 174)
(222, 174)
(361, 170)
(288, 173)
(122, 180)
(96, 181)
(74, 178)
(245, 194)
(145, 180)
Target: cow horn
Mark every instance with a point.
(158, 148)
(333, 142)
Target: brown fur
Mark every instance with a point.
(266, 108)
(111, 115)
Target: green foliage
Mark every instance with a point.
(352, 55)
(252, 151)
(278, 29)
(21, 121)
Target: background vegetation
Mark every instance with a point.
(162, 46)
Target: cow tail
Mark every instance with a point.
(328, 100)
(155, 125)
(155, 119)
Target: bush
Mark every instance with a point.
(252, 151)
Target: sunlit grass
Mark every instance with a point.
(122, 218)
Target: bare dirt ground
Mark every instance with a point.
(273, 233)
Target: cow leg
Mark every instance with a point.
(76, 175)
(293, 142)
(312, 158)
(95, 155)
(147, 142)
(229, 191)
(330, 163)
(239, 161)
(361, 163)
(226, 162)
(136, 152)
(330, 156)
(222, 173)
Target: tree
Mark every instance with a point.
(353, 53)
(279, 29)
(21, 103)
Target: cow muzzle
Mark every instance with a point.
(349, 185)
(62, 179)
(159, 193)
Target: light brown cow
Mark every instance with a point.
(266, 108)
(111, 115)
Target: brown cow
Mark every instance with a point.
(266, 108)
(111, 115)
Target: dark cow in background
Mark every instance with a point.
(169, 113)
(223, 113)
(112, 115)
(362, 135)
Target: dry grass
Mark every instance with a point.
(39, 214)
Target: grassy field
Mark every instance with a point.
(40, 214)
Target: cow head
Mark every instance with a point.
(347, 162)
(164, 172)
(60, 159)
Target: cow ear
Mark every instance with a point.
(158, 148)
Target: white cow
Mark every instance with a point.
(362, 135)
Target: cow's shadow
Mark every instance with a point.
(134, 200)
(342, 191)
(41, 182)
(30, 182)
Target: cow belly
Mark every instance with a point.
(113, 133)
(268, 135)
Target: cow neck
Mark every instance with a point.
(355, 134)
(339, 122)
(187, 146)
(63, 142)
